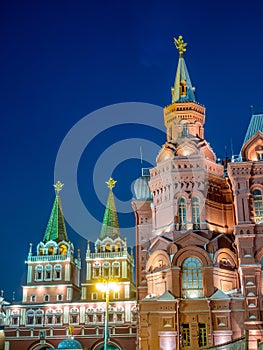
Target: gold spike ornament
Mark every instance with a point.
(180, 45)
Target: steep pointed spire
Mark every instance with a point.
(110, 225)
(182, 91)
(56, 229)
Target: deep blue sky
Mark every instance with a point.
(61, 60)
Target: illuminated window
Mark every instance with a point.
(116, 269)
(96, 270)
(182, 213)
(57, 272)
(63, 249)
(259, 152)
(94, 296)
(258, 207)
(106, 269)
(196, 213)
(186, 335)
(202, 334)
(192, 278)
(48, 272)
(39, 273)
(183, 88)
(116, 295)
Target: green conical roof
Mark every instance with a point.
(110, 225)
(56, 228)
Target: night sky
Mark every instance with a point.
(62, 60)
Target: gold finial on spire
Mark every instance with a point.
(180, 45)
(111, 183)
(58, 187)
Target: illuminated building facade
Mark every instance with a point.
(199, 234)
(55, 302)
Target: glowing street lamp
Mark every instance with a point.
(106, 287)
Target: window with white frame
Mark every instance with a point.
(48, 272)
(46, 297)
(39, 273)
(192, 278)
(96, 270)
(90, 315)
(49, 316)
(106, 269)
(33, 298)
(58, 316)
(39, 317)
(57, 272)
(74, 316)
(59, 297)
(116, 269)
(30, 317)
(94, 296)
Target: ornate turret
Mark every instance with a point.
(111, 260)
(54, 267)
(184, 108)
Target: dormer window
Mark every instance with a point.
(183, 88)
(259, 152)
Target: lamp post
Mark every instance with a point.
(106, 287)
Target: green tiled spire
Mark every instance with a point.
(56, 229)
(182, 90)
(110, 225)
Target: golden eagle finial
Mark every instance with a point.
(180, 45)
(58, 187)
(111, 183)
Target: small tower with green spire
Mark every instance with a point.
(54, 267)
(184, 108)
(110, 261)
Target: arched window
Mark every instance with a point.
(90, 315)
(39, 273)
(48, 272)
(196, 213)
(57, 272)
(182, 213)
(106, 269)
(49, 316)
(30, 317)
(258, 207)
(39, 317)
(58, 316)
(183, 88)
(116, 269)
(74, 315)
(192, 278)
(96, 270)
